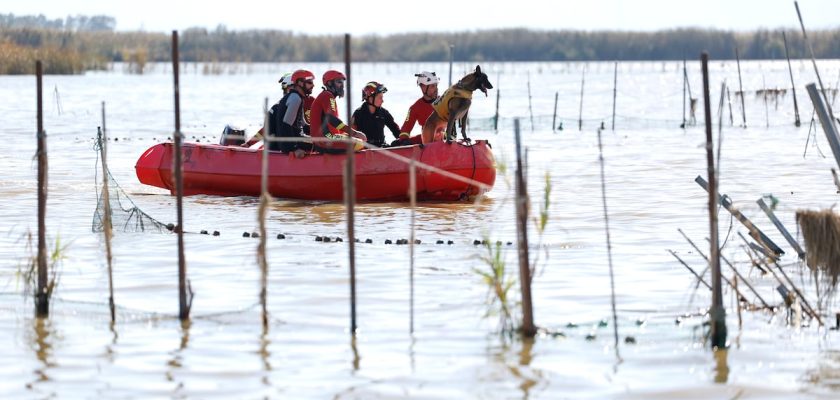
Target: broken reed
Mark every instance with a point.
(821, 232)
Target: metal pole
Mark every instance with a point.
(741, 87)
(717, 313)
(615, 92)
(183, 302)
(792, 84)
(685, 82)
(42, 299)
(793, 243)
(349, 202)
(528, 328)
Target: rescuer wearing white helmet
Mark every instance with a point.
(421, 109)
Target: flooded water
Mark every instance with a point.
(455, 351)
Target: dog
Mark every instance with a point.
(455, 105)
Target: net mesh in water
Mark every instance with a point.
(125, 215)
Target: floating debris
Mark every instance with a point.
(246, 234)
(281, 236)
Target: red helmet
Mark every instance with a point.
(373, 88)
(302, 74)
(332, 75)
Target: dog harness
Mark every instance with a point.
(441, 105)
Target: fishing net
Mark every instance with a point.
(125, 215)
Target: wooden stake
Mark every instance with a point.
(741, 87)
(347, 86)
(764, 95)
(530, 109)
(554, 118)
(42, 298)
(792, 84)
(496, 118)
(451, 59)
(580, 115)
(528, 328)
(265, 202)
(412, 195)
(183, 301)
(685, 84)
(349, 203)
(717, 313)
(814, 62)
(609, 244)
(615, 92)
(102, 137)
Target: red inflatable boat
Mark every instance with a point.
(235, 171)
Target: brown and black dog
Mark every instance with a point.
(455, 105)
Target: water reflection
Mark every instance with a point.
(44, 335)
(827, 372)
(176, 362)
(265, 356)
(356, 357)
(721, 365)
(520, 366)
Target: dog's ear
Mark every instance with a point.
(477, 69)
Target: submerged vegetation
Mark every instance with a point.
(83, 43)
(28, 269)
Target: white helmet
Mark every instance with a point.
(427, 78)
(286, 80)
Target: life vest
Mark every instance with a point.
(441, 105)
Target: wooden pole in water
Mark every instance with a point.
(554, 118)
(741, 87)
(42, 298)
(347, 86)
(451, 59)
(530, 109)
(792, 84)
(729, 102)
(717, 313)
(764, 95)
(814, 62)
(827, 122)
(265, 202)
(412, 190)
(183, 302)
(609, 244)
(496, 118)
(685, 84)
(615, 92)
(580, 115)
(102, 137)
(350, 202)
(528, 328)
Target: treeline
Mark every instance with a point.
(94, 49)
(71, 23)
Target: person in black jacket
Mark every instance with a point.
(371, 119)
(286, 118)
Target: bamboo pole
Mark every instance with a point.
(741, 87)
(528, 328)
(792, 84)
(615, 92)
(755, 292)
(580, 114)
(696, 275)
(183, 302)
(764, 95)
(412, 195)
(42, 298)
(554, 118)
(265, 202)
(609, 244)
(717, 313)
(697, 249)
(729, 102)
(102, 136)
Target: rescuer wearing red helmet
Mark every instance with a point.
(287, 83)
(325, 121)
(370, 118)
(286, 120)
(420, 111)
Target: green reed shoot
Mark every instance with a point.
(498, 283)
(28, 271)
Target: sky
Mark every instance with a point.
(361, 17)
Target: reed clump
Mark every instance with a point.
(499, 282)
(20, 60)
(28, 270)
(821, 231)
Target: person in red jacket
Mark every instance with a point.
(420, 111)
(324, 117)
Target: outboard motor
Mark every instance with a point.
(232, 136)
